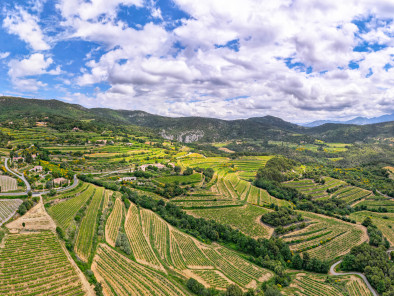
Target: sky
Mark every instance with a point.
(301, 60)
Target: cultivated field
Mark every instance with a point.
(122, 276)
(308, 284)
(64, 212)
(324, 237)
(384, 222)
(245, 218)
(87, 229)
(7, 184)
(316, 190)
(155, 243)
(8, 208)
(114, 221)
(35, 264)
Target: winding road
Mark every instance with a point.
(22, 177)
(28, 187)
(333, 272)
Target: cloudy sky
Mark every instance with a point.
(301, 60)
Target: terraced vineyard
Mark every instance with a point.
(316, 190)
(65, 211)
(142, 250)
(155, 243)
(87, 229)
(245, 218)
(7, 184)
(114, 221)
(351, 194)
(325, 238)
(306, 284)
(374, 202)
(384, 222)
(8, 208)
(35, 264)
(122, 276)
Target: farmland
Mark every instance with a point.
(316, 190)
(245, 218)
(307, 284)
(35, 264)
(87, 229)
(122, 276)
(65, 211)
(384, 222)
(150, 235)
(7, 184)
(325, 238)
(114, 221)
(8, 208)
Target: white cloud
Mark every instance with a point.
(4, 55)
(22, 71)
(25, 25)
(144, 69)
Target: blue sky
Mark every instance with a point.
(301, 60)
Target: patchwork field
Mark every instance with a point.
(8, 184)
(35, 264)
(324, 237)
(8, 208)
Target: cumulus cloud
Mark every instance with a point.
(22, 71)
(25, 25)
(228, 58)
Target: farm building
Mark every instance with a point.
(37, 168)
(60, 181)
(17, 158)
(158, 165)
(128, 179)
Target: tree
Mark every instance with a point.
(272, 291)
(367, 222)
(297, 262)
(177, 169)
(233, 290)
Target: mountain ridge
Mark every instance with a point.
(193, 128)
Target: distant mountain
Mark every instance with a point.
(191, 129)
(357, 121)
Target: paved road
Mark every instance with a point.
(333, 272)
(28, 188)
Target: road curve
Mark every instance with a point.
(28, 187)
(333, 272)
